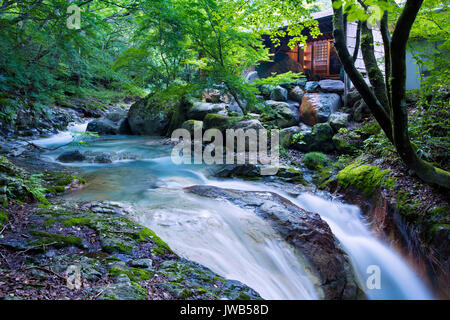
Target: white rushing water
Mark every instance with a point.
(233, 242)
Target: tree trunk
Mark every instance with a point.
(387, 103)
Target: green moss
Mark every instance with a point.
(77, 222)
(365, 178)
(315, 160)
(60, 239)
(408, 208)
(3, 218)
(55, 189)
(134, 274)
(146, 234)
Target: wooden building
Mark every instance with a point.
(318, 59)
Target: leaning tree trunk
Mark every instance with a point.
(386, 99)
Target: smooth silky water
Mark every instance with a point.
(235, 243)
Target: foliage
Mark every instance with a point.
(42, 58)
(278, 79)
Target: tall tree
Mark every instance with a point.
(386, 99)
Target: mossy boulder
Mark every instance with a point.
(315, 160)
(365, 178)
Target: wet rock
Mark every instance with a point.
(279, 94)
(338, 120)
(200, 109)
(317, 107)
(331, 86)
(71, 156)
(306, 231)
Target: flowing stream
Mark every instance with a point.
(233, 242)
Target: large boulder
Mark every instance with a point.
(200, 109)
(146, 118)
(317, 107)
(331, 86)
(289, 115)
(304, 230)
(279, 94)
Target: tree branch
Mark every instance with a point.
(357, 79)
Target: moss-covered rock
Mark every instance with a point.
(365, 178)
(315, 160)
